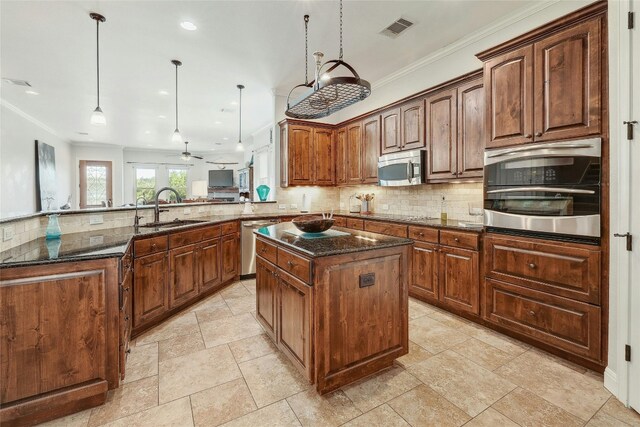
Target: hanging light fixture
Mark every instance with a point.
(327, 94)
(177, 138)
(97, 117)
(240, 147)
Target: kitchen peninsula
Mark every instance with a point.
(335, 304)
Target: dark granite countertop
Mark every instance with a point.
(416, 220)
(314, 246)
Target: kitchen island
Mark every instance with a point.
(336, 304)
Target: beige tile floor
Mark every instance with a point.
(213, 365)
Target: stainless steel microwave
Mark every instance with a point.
(403, 168)
(550, 188)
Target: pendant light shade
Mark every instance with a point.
(240, 147)
(177, 138)
(97, 117)
(326, 94)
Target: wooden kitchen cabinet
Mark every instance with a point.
(184, 274)
(370, 147)
(266, 290)
(301, 152)
(323, 157)
(354, 153)
(412, 125)
(390, 122)
(308, 154)
(424, 277)
(230, 256)
(471, 130)
(441, 135)
(150, 288)
(341, 156)
(126, 313)
(459, 279)
(209, 265)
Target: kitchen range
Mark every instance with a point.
(411, 243)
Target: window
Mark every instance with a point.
(178, 181)
(145, 185)
(95, 184)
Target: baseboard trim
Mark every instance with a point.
(611, 382)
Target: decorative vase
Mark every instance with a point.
(53, 228)
(53, 247)
(263, 192)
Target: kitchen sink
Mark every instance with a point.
(169, 224)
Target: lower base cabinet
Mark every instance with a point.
(209, 263)
(184, 274)
(424, 275)
(266, 286)
(230, 248)
(150, 288)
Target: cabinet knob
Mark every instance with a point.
(454, 173)
(126, 318)
(128, 351)
(532, 313)
(538, 133)
(153, 246)
(290, 263)
(263, 249)
(456, 239)
(126, 289)
(421, 234)
(532, 265)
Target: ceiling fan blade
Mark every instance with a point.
(197, 157)
(222, 163)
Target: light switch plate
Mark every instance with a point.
(187, 211)
(96, 219)
(282, 207)
(7, 233)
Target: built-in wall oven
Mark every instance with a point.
(549, 188)
(400, 169)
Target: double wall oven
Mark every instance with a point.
(550, 189)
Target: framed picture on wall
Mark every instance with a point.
(45, 176)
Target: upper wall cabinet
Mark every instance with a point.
(546, 85)
(403, 127)
(441, 135)
(471, 129)
(307, 155)
(341, 156)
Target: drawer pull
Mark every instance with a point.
(290, 264)
(153, 246)
(126, 318)
(532, 313)
(263, 249)
(538, 133)
(528, 135)
(532, 265)
(421, 234)
(457, 240)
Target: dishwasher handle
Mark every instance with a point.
(260, 224)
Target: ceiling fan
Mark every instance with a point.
(186, 155)
(222, 165)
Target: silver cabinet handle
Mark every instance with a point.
(532, 265)
(545, 189)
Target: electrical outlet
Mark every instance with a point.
(385, 207)
(282, 207)
(96, 240)
(294, 206)
(96, 219)
(187, 211)
(7, 233)
(201, 209)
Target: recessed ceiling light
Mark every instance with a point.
(31, 92)
(225, 138)
(234, 102)
(163, 92)
(217, 122)
(162, 117)
(212, 149)
(147, 132)
(189, 26)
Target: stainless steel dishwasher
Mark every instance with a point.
(249, 245)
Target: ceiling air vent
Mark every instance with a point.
(16, 82)
(396, 28)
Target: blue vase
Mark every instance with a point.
(263, 192)
(53, 228)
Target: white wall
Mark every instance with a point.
(18, 131)
(103, 152)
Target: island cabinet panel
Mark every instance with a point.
(266, 292)
(412, 122)
(460, 279)
(471, 134)
(361, 324)
(267, 251)
(354, 153)
(300, 155)
(294, 265)
(230, 256)
(183, 275)
(441, 135)
(370, 147)
(390, 135)
(508, 80)
(59, 339)
(126, 318)
(150, 288)
(567, 83)
(341, 156)
(324, 157)
(424, 277)
(209, 265)
(560, 322)
(294, 319)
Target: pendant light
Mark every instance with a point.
(240, 147)
(97, 117)
(327, 94)
(177, 138)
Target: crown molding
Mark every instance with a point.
(31, 119)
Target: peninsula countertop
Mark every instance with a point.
(335, 241)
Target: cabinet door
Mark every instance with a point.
(210, 275)
(354, 153)
(412, 121)
(370, 147)
(125, 320)
(301, 161)
(424, 277)
(266, 289)
(150, 288)
(341, 156)
(508, 81)
(441, 135)
(390, 142)
(324, 157)
(294, 321)
(471, 123)
(459, 279)
(284, 156)
(184, 274)
(229, 257)
(567, 83)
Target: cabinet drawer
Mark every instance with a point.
(567, 270)
(229, 228)
(295, 265)
(391, 229)
(563, 323)
(185, 238)
(356, 224)
(423, 234)
(460, 239)
(211, 232)
(339, 221)
(150, 246)
(266, 251)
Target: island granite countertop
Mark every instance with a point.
(335, 241)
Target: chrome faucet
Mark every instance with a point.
(156, 209)
(136, 217)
